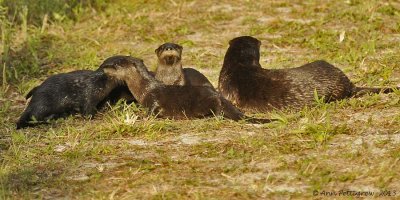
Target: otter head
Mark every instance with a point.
(244, 49)
(169, 53)
(124, 68)
(133, 72)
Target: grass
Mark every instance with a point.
(351, 144)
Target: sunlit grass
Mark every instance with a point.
(124, 154)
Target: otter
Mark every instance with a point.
(172, 101)
(243, 81)
(65, 94)
(170, 71)
(119, 92)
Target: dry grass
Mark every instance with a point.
(348, 145)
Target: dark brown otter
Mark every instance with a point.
(170, 71)
(65, 94)
(243, 81)
(171, 101)
(119, 92)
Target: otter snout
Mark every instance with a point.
(170, 56)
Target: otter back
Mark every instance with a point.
(65, 94)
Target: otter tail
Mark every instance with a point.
(258, 120)
(231, 112)
(359, 91)
(30, 117)
(24, 120)
(30, 93)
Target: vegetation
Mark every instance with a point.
(351, 144)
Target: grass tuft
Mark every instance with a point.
(122, 153)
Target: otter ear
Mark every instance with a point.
(259, 43)
(180, 47)
(157, 50)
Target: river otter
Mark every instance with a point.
(119, 92)
(171, 101)
(64, 94)
(170, 71)
(243, 81)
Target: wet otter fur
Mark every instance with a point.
(170, 71)
(64, 94)
(243, 81)
(172, 101)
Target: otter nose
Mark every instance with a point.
(168, 49)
